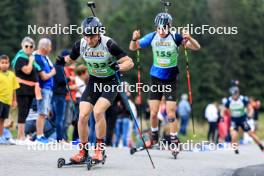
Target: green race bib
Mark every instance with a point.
(165, 52)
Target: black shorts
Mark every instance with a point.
(100, 87)
(159, 87)
(4, 110)
(240, 122)
(24, 103)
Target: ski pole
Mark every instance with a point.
(68, 88)
(125, 100)
(189, 87)
(139, 89)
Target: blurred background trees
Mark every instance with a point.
(222, 57)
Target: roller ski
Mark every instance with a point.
(78, 159)
(236, 151)
(150, 143)
(176, 147)
(155, 144)
(139, 145)
(83, 158)
(97, 158)
(89, 162)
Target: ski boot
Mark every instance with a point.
(237, 151)
(99, 155)
(77, 159)
(175, 145)
(154, 140)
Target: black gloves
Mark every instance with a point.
(114, 66)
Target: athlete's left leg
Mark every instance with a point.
(256, 139)
(234, 141)
(246, 128)
(100, 107)
(171, 110)
(171, 113)
(99, 114)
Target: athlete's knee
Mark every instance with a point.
(83, 118)
(153, 114)
(234, 133)
(98, 114)
(171, 114)
(171, 120)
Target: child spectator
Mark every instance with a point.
(8, 86)
(30, 127)
(7, 133)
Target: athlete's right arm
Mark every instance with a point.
(134, 42)
(75, 53)
(124, 62)
(144, 42)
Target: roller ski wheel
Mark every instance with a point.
(133, 150)
(175, 154)
(236, 151)
(89, 163)
(103, 162)
(60, 162)
(95, 161)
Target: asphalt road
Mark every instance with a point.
(19, 160)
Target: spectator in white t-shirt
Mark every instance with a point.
(212, 116)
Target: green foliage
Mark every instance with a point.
(8, 28)
(14, 16)
(221, 58)
(74, 14)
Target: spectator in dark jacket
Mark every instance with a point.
(59, 97)
(122, 124)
